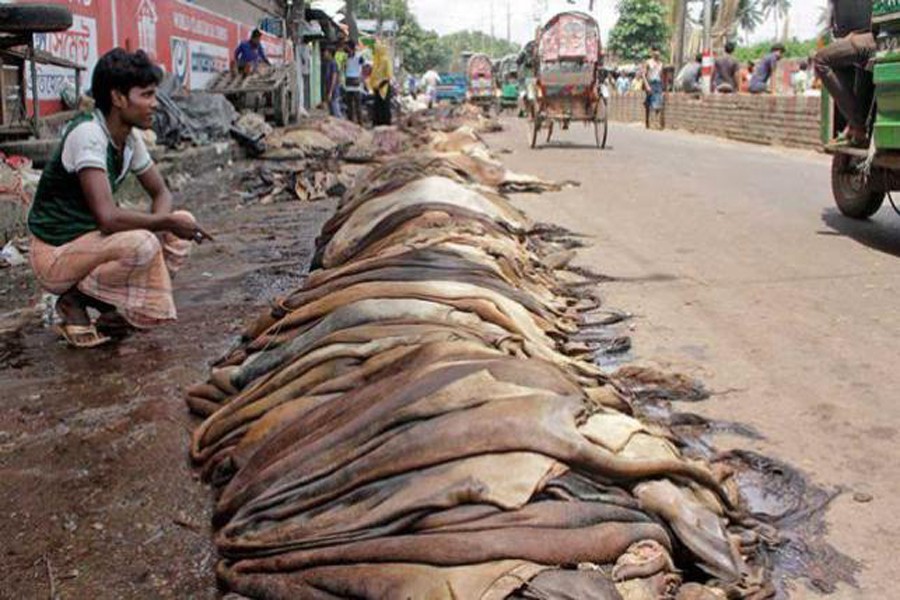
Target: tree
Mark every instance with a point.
(641, 24)
(421, 50)
(350, 18)
(778, 8)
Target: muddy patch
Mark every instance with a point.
(98, 498)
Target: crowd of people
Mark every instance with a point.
(351, 81)
(728, 75)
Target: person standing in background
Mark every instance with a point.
(353, 82)
(380, 82)
(651, 81)
(331, 83)
(800, 80)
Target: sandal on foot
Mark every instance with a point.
(82, 336)
(114, 325)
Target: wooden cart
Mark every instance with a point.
(570, 84)
(270, 91)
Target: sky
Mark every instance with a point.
(447, 16)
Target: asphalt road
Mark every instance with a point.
(740, 272)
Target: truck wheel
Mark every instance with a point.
(34, 18)
(851, 189)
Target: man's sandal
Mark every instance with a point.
(114, 325)
(82, 336)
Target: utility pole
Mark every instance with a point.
(707, 25)
(492, 20)
(707, 47)
(680, 8)
(508, 23)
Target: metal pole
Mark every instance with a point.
(680, 16)
(508, 23)
(707, 25)
(707, 65)
(35, 101)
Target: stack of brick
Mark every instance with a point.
(775, 120)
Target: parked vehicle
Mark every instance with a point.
(452, 88)
(860, 180)
(480, 81)
(570, 80)
(507, 77)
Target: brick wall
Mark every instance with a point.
(775, 120)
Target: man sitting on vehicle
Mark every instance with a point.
(838, 63)
(250, 53)
(84, 247)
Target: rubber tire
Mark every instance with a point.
(851, 200)
(601, 121)
(535, 130)
(35, 18)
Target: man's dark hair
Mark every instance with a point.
(654, 47)
(803, 66)
(698, 58)
(778, 46)
(255, 34)
(121, 70)
(729, 47)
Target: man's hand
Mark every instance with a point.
(186, 228)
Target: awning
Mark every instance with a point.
(333, 8)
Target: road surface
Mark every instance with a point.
(740, 272)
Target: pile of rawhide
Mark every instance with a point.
(415, 422)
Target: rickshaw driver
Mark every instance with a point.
(837, 64)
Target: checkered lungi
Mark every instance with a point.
(131, 270)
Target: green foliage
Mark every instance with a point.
(792, 49)
(455, 44)
(641, 24)
(421, 50)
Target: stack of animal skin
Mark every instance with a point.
(414, 422)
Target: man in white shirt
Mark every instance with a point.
(84, 247)
(353, 75)
(431, 80)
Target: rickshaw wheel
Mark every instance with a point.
(851, 188)
(601, 124)
(535, 129)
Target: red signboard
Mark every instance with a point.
(187, 40)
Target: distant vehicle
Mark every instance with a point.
(480, 81)
(571, 82)
(452, 87)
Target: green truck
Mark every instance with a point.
(860, 178)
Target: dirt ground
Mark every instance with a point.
(736, 270)
(97, 496)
